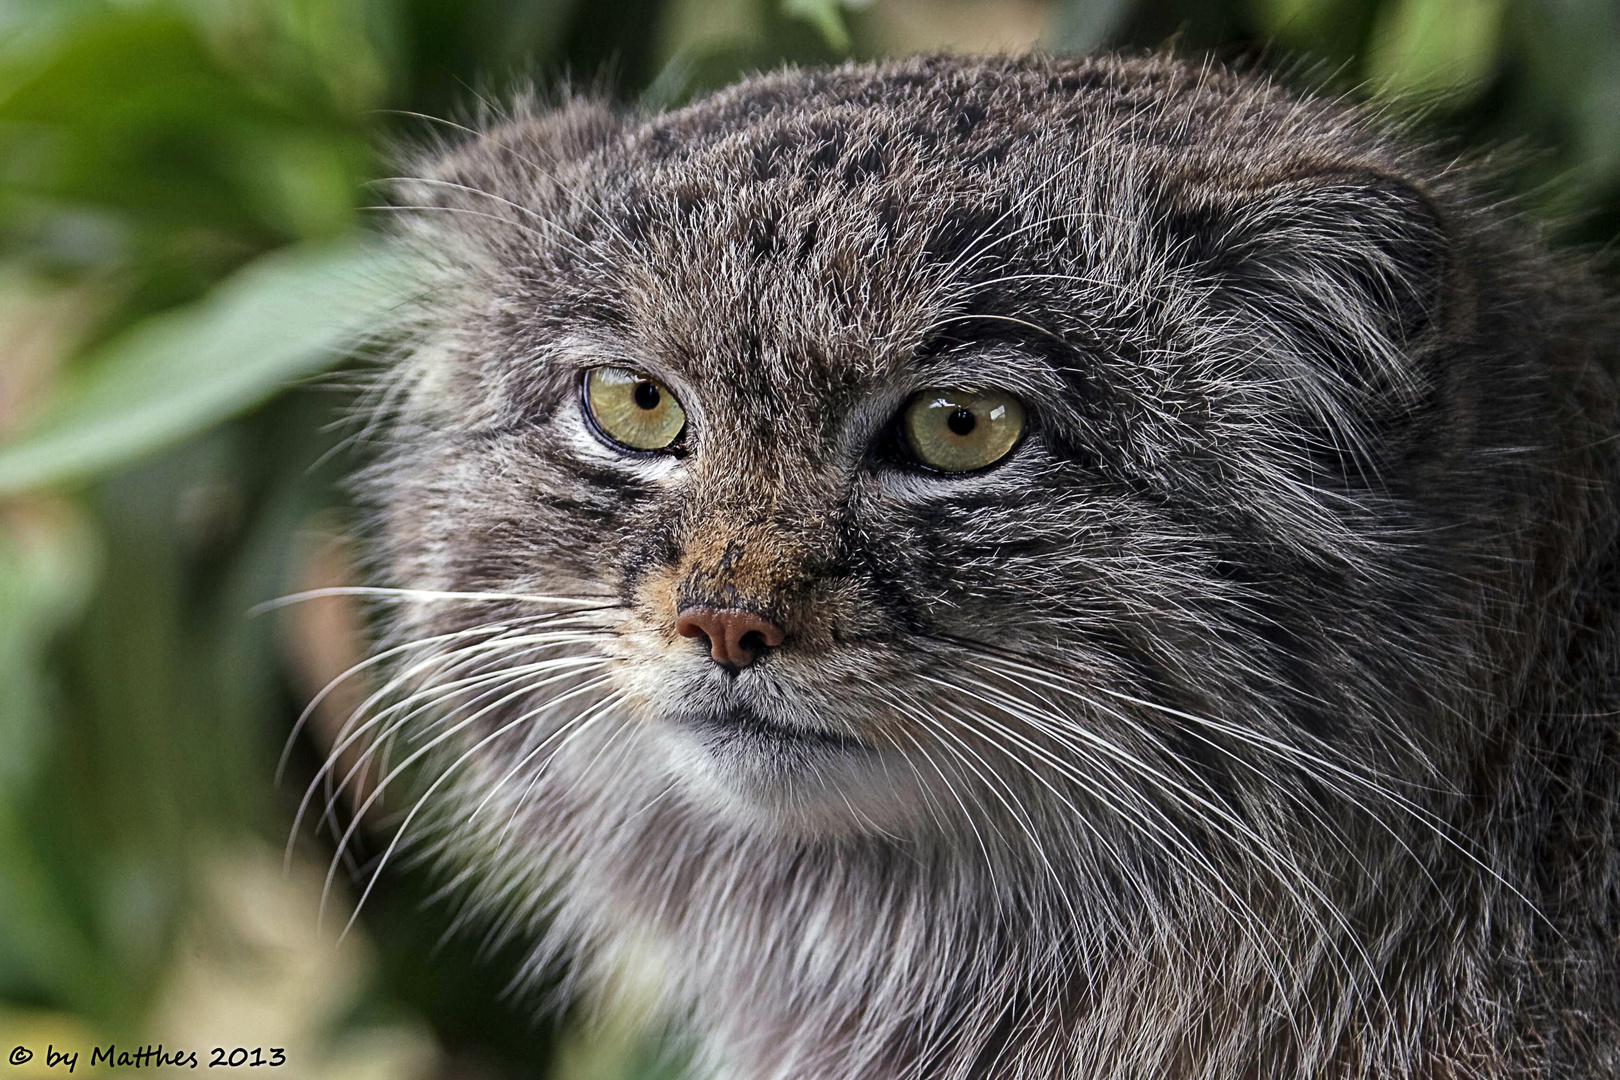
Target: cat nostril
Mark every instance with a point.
(735, 637)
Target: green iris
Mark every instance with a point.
(960, 430)
(634, 411)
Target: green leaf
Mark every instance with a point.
(48, 564)
(1442, 48)
(39, 943)
(826, 16)
(1300, 23)
(136, 113)
(283, 317)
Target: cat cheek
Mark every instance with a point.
(1028, 466)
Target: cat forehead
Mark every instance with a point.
(829, 234)
(940, 125)
(826, 226)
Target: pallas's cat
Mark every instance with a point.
(1014, 568)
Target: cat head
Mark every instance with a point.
(1009, 453)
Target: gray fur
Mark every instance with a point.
(1254, 718)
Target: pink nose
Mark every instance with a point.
(735, 637)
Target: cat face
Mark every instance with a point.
(1001, 462)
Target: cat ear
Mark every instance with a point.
(1340, 279)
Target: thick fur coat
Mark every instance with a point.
(1254, 717)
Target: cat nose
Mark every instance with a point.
(735, 637)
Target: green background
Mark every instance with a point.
(186, 284)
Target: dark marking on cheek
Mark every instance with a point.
(889, 577)
(891, 602)
(598, 513)
(656, 547)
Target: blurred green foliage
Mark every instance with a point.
(183, 244)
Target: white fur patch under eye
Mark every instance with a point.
(915, 486)
(583, 441)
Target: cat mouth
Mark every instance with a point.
(739, 724)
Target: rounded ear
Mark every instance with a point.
(1373, 253)
(1340, 280)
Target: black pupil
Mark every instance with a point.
(961, 422)
(646, 395)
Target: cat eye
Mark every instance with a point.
(631, 410)
(959, 430)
